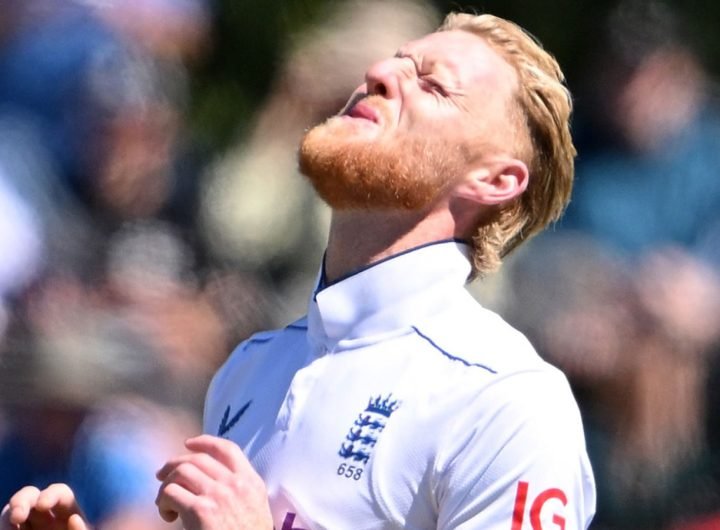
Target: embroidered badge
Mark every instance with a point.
(364, 433)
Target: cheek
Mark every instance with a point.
(428, 114)
(493, 126)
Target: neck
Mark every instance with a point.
(360, 238)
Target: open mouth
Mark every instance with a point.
(361, 110)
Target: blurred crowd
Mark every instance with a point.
(132, 260)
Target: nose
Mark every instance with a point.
(383, 78)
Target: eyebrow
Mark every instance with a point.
(415, 58)
(404, 54)
(448, 84)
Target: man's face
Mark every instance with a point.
(414, 127)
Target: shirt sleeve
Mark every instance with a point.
(516, 460)
(220, 385)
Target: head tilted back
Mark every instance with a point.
(543, 139)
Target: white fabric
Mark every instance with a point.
(400, 402)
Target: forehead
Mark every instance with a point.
(467, 57)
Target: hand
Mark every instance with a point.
(213, 487)
(53, 508)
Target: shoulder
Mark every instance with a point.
(494, 378)
(479, 365)
(250, 358)
(512, 423)
(474, 336)
(264, 343)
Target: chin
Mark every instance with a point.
(351, 174)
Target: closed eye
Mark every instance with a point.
(433, 85)
(427, 82)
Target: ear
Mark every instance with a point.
(495, 182)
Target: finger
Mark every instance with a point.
(5, 523)
(191, 478)
(202, 461)
(173, 500)
(21, 503)
(76, 522)
(60, 499)
(224, 451)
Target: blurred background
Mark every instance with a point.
(151, 217)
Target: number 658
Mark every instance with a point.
(353, 472)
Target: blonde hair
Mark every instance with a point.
(545, 145)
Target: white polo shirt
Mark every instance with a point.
(400, 402)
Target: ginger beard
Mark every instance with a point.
(350, 171)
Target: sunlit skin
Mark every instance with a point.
(449, 78)
(447, 96)
(53, 508)
(435, 116)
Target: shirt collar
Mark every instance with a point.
(388, 295)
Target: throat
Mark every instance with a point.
(360, 238)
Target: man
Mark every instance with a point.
(399, 402)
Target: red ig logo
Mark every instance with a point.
(536, 507)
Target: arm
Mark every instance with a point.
(213, 487)
(520, 465)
